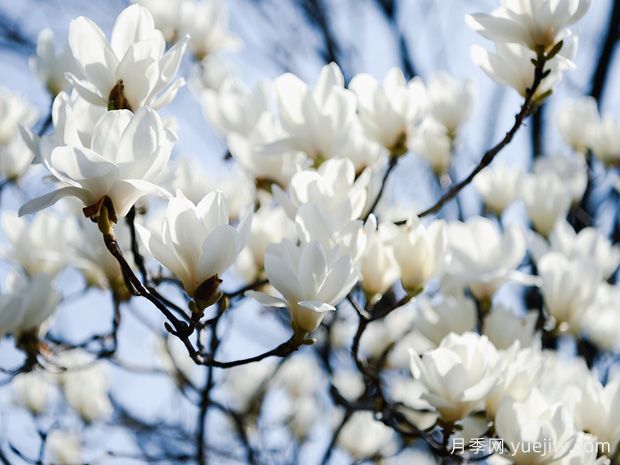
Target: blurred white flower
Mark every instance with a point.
(14, 112)
(547, 200)
(310, 279)
(483, 257)
(196, 242)
(316, 121)
(499, 187)
(64, 447)
(242, 383)
(206, 22)
(165, 15)
(378, 265)
(450, 101)
(568, 288)
(432, 142)
(388, 112)
(420, 251)
(38, 246)
(85, 385)
(33, 391)
(300, 376)
(573, 171)
(588, 243)
(597, 412)
(15, 159)
(601, 322)
(28, 305)
(584, 452)
(451, 314)
(131, 70)
(51, 65)
(606, 140)
(503, 327)
(511, 65)
(457, 375)
(128, 154)
(361, 150)
(523, 424)
(363, 436)
(576, 119)
(536, 24)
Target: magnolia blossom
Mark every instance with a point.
(572, 171)
(127, 155)
(299, 376)
(196, 242)
(315, 121)
(28, 305)
(523, 424)
(242, 383)
(432, 142)
(451, 314)
(606, 140)
(310, 279)
(51, 65)
(511, 65)
(503, 327)
(363, 436)
(14, 112)
(597, 411)
(547, 200)
(568, 288)
(388, 112)
(64, 446)
(206, 22)
(576, 120)
(165, 15)
(498, 186)
(15, 159)
(483, 257)
(33, 391)
(457, 375)
(601, 323)
(450, 102)
(585, 452)
(420, 251)
(378, 265)
(129, 71)
(588, 243)
(536, 24)
(39, 246)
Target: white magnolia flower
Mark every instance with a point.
(589, 243)
(85, 385)
(165, 15)
(576, 120)
(127, 155)
(378, 265)
(572, 171)
(196, 242)
(51, 65)
(519, 371)
(584, 452)
(235, 109)
(129, 71)
(597, 411)
(303, 414)
(14, 112)
(300, 377)
(387, 113)
(568, 288)
(421, 252)
(511, 65)
(524, 424)
(33, 391)
(361, 150)
(15, 159)
(64, 447)
(536, 24)
(547, 200)
(316, 121)
(503, 327)
(457, 375)
(483, 257)
(28, 305)
(265, 168)
(606, 140)
(363, 436)
(39, 246)
(432, 142)
(310, 279)
(242, 383)
(206, 22)
(451, 314)
(601, 323)
(450, 102)
(499, 187)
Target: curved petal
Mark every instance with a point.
(51, 198)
